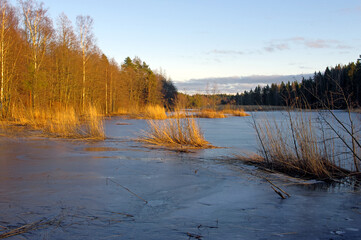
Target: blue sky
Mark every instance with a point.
(218, 39)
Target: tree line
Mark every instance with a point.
(46, 66)
(335, 87)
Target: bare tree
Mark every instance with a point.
(38, 31)
(8, 30)
(3, 43)
(86, 40)
(66, 46)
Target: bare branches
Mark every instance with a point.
(85, 24)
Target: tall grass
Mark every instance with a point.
(236, 112)
(209, 113)
(175, 132)
(147, 112)
(217, 113)
(154, 112)
(60, 122)
(299, 147)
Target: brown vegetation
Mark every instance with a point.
(175, 132)
(296, 148)
(154, 112)
(65, 123)
(237, 112)
(209, 113)
(326, 149)
(212, 113)
(148, 112)
(59, 70)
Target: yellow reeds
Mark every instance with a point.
(61, 122)
(148, 112)
(296, 148)
(211, 113)
(154, 112)
(237, 112)
(93, 127)
(178, 113)
(208, 113)
(121, 111)
(175, 132)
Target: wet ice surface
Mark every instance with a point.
(171, 195)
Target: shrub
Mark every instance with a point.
(298, 148)
(175, 132)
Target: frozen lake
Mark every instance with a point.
(121, 189)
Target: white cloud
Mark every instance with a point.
(226, 52)
(232, 85)
(284, 44)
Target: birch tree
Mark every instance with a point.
(66, 48)
(38, 31)
(8, 32)
(86, 39)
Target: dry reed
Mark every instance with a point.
(121, 111)
(61, 122)
(208, 113)
(175, 132)
(179, 113)
(154, 112)
(148, 112)
(237, 113)
(297, 149)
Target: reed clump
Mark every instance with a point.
(209, 113)
(298, 148)
(147, 112)
(175, 132)
(154, 112)
(62, 122)
(121, 111)
(177, 113)
(236, 113)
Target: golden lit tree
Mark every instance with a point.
(38, 31)
(8, 38)
(86, 39)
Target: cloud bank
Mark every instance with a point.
(284, 44)
(232, 85)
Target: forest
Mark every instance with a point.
(59, 66)
(332, 87)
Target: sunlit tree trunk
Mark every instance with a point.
(2, 48)
(106, 91)
(66, 61)
(84, 24)
(38, 29)
(10, 49)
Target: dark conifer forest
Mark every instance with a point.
(335, 87)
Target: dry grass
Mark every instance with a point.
(175, 132)
(296, 148)
(60, 122)
(121, 111)
(208, 113)
(179, 113)
(148, 112)
(237, 113)
(154, 112)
